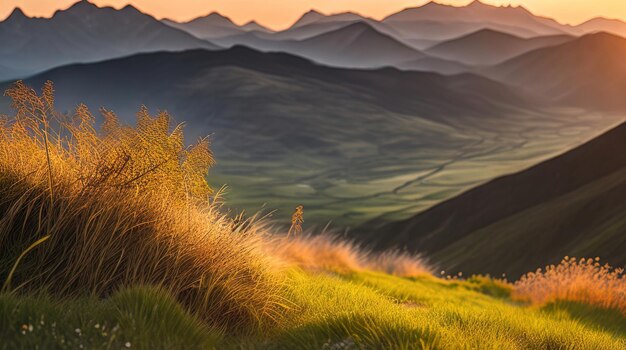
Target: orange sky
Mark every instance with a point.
(279, 14)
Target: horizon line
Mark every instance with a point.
(312, 9)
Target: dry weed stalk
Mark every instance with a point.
(297, 219)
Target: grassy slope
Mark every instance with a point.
(363, 309)
(532, 230)
(571, 205)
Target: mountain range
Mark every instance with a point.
(84, 33)
(396, 126)
(433, 37)
(319, 135)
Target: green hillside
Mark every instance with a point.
(571, 205)
(350, 311)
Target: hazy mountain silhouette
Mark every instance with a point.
(437, 22)
(214, 26)
(600, 24)
(253, 26)
(317, 17)
(83, 33)
(570, 205)
(587, 72)
(355, 45)
(487, 47)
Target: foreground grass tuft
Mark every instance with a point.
(124, 207)
(137, 318)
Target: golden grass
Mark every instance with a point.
(584, 280)
(331, 253)
(122, 207)
(399, 264)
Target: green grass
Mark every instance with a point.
(137, 318)
(358, 310)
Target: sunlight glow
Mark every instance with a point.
(283, 13)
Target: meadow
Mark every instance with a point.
(111, 237)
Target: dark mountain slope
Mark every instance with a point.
(412, 92)
(86, 33)
(587, 72)
(570, 205)
(488, 47)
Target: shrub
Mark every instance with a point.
(584, 280)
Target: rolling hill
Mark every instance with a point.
(348, 144)
(571, 205)
(487, 47)
(587, 72)
(84, 33)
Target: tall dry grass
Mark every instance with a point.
(584, 280)
(330, 253)
(124, 206)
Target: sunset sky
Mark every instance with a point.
(279, 14)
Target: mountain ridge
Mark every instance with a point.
(83, 33)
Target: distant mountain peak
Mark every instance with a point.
(254, 25)
(82, 4)
(17, 14)
(476, 3)
(308, 18)
(313, 12)
(214, 18)
(130, 8)
(80, 8)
